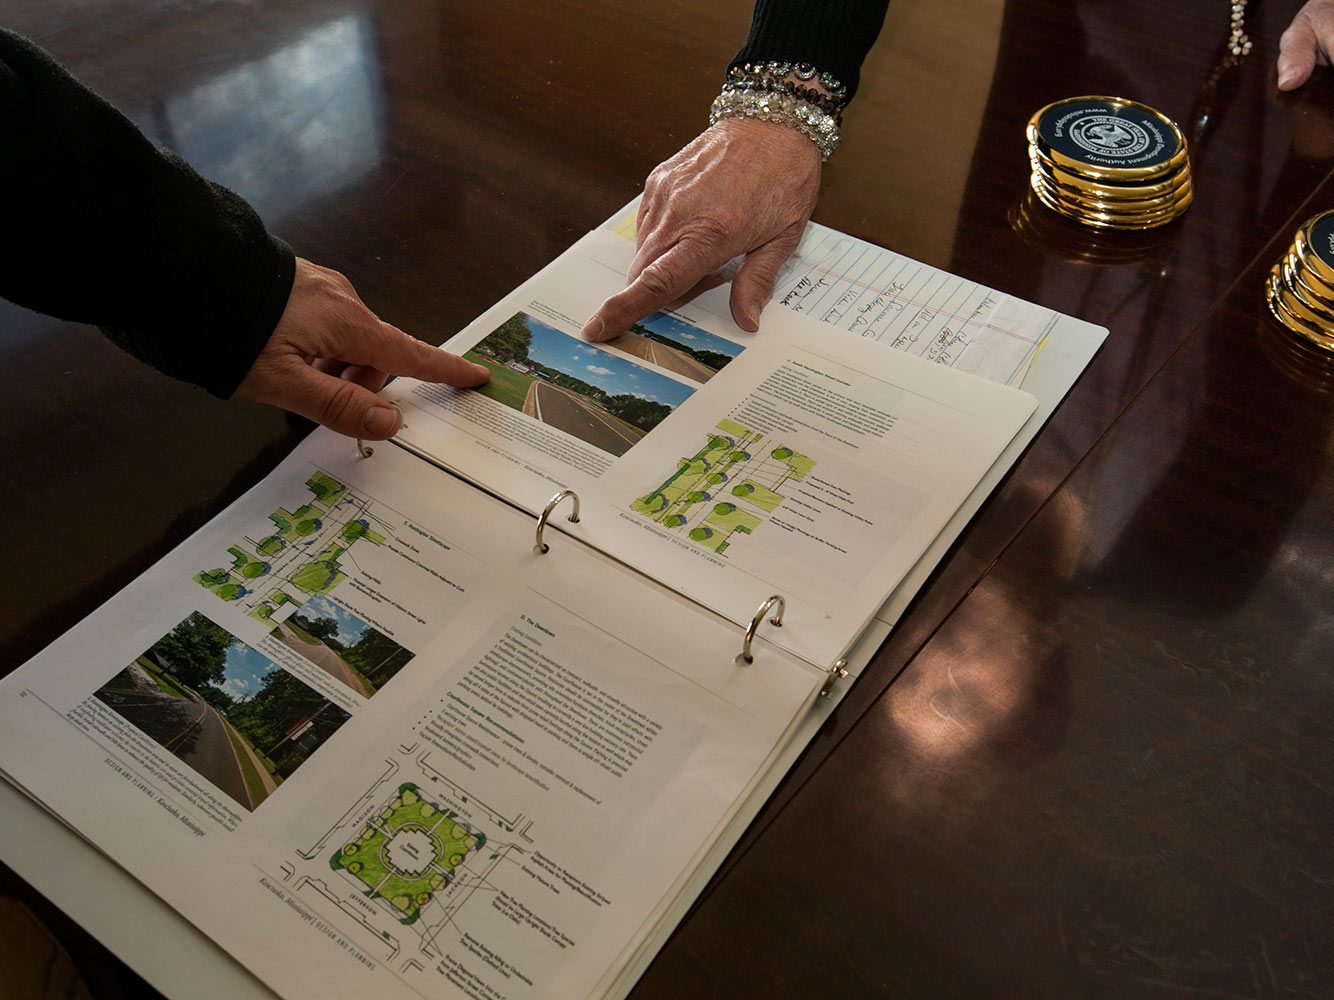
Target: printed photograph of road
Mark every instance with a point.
(677, 346)
(228, 712)
(606, 401)
(342, 645)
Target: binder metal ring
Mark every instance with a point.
(836, 673)
(541, 548)
(745, 656)
(365, 450)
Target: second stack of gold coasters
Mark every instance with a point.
(1300, 288)
(1109, 163)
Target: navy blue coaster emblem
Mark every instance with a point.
(1322, 239)
(1109, 134)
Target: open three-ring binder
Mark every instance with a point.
(477, 712)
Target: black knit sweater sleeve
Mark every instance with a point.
(834, 36)
(102, 227)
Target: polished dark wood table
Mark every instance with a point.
(1093, 759)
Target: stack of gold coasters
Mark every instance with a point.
(1300, 289)
(1109, 163)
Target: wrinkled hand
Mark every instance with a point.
(1308, 42)
(741, 187)
(329, 355)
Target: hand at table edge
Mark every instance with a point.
(1306, 43)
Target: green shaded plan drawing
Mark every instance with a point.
(408, 852)
(301, 552)
(727, 488)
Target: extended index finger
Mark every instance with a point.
(661, 282)
(393, 352)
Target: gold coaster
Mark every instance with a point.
(1107, 220)
(1296, 305)
(1114, 205)
(1108, 139)
(1305, 316)
(1304, 284)
(1312, 246)
(1109, 163)
(1104, 189)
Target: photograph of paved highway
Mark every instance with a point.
(672, 344)
(230, 713)
(342, 645)
(594, 394)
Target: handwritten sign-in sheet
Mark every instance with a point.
(876, 293)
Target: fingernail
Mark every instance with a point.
(593, 328)
(1286, 76)
(752, 320)
(482, 372)
(380, 421)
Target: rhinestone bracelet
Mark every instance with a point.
(782, 109)
(811, 121)
(767, 85)
(777, 72)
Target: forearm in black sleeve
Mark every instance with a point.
(834, 36)
(102, 227)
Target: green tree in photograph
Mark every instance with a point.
(376, 655)
(641, 413)
(195, 651)
(511, 340)
(579, 385)
(321, 628)
(280, 705)
(217, 697)
(714, 359)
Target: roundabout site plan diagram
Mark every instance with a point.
(407, 870)
(408, 852)
(728, 487)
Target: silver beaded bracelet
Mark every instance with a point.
(782, 109)
(791, 78)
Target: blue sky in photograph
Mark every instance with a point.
(604, 369)
(350, 627)
(691, 336)
(245, 670)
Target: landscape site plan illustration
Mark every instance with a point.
(414, 865)
(301, 555)
(284, 578)
(727, 488)
(408, 852)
